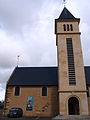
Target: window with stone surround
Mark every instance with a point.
(64, 27)
(71, 66)
(71, 27)
(88, 92)
(17, 90)
(44, 91)
(68, 27)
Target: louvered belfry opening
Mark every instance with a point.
(71, 66)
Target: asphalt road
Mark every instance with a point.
(5, 118)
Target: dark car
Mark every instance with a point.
(15, 112)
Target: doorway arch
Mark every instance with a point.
(73, 106)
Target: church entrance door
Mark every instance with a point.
(73, 106)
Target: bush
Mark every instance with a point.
(1, 104)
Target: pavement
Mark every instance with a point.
(70, 117)
(5, 118)
(59, 117)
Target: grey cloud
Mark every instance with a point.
(27, 29)
(15, 14)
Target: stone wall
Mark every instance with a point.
(67, 90)
(43, 106)
(89, 104)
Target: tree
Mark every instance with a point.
(1, 104)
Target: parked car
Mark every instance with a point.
(15, 112)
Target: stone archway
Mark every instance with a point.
(73, 106)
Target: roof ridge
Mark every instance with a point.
(39, 67)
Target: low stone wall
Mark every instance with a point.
(1, 112)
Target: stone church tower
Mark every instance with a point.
(71, 76)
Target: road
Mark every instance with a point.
(5, 118)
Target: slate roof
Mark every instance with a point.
(34, 76)
(65, 14)
(87, 74)
(39, 76)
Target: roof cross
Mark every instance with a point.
(64, 2)
(18, 60)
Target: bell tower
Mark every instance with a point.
(71, 76)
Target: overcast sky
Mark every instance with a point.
(27, 29)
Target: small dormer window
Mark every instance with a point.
(71, 27)
(64, 26)
(67, 27)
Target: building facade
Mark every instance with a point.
(36, 86)
(49, 91)
(42, 105)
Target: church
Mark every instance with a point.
(49, 91)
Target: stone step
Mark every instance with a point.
(72, 117)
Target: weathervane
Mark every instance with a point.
(64, 2)
(18, 60)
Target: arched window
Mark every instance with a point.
(17, 90)
(64, 27)
(67, 27)
(71, 27)
(44, 91)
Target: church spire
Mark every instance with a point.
(65, 14)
